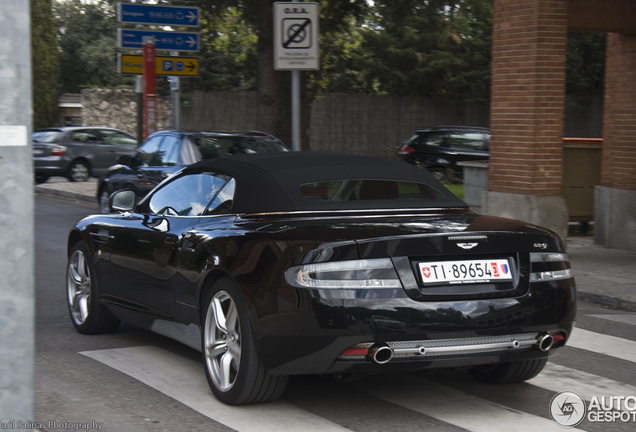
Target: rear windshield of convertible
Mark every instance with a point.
(367, 189)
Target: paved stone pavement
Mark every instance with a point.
(604, 276)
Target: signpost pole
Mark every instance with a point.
(296, 49)
(150, 87)
(174, 98)
(139, 93)
(295, 110)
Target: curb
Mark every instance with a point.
(65, 194)
(606, 301)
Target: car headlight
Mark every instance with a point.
(354, 274)
(549, 266)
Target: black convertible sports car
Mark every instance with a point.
(278, 264)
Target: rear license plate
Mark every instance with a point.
(38, 152)
(465, 271)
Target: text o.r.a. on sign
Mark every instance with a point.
(296, 36)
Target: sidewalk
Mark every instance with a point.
(78, 191)
(605, 277)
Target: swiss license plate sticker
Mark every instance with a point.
(465, 271)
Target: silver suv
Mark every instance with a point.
(78, 152)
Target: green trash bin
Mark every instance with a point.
(581, 173)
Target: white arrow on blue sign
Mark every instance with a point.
(134, 13)
(174, 41)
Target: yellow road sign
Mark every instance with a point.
(175, 66)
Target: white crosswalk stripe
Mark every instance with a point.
(455, 407)
(559, 378)
(184, 380)
(603, 344)
(624, 319)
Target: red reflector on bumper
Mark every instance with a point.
(355, 351)
(558, 337)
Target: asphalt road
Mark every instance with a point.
(133, 380)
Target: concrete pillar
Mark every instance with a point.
(616, 197)
(16, 216)
(527, 112)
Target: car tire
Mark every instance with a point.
(510, 372)
(232, 361)
(78, 172)
(41, 178)
(88, 315)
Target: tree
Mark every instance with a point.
(426, 48)
(44, 64)
(228, 52)
(272, 86)
(585, 63)
(88, 43)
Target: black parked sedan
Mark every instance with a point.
(279, 264)
(166, 152)
(439, 149)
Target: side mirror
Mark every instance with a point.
(122, 201)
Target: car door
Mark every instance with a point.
(467, 146)
(85, 144)
(114, 145)
(146, 248)
(156, 160)
(432, 147)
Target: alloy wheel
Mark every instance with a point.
(78, 287)
(222, 341)
(79, 172)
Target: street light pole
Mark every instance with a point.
(17, 294)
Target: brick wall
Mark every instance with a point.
(528, 96)
(618, 16)
(619, 122)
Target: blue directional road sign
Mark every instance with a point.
(134, 13)
(172, 41)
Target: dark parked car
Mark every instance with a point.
(166, 152)
(440, 148)
(78, 152)
(310, 263)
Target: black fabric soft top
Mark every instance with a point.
(270, 182)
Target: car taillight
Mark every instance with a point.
(354, 274)
(549, 266)
(406, 150)
(58, 151)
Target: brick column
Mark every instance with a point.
(616, 197)
(527, 112)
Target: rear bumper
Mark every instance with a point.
(316, 337)
(52, 165)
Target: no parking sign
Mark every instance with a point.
(296, 36)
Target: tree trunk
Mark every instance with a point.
(274, 87)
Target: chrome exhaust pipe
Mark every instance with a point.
(380, 353)
(545, 342)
